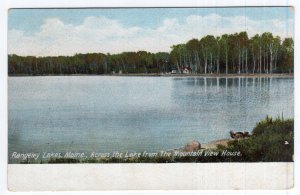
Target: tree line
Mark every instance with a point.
(226, 54)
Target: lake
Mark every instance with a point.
(118, 113)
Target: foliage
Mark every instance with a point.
(271, 141)
(228, 53)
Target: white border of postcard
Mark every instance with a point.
(183, 176)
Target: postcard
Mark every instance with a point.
(150, 98)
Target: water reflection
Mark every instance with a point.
(221, 82)
(247, 94)
(226, 81)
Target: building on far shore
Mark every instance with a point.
(174, 72)
(183, 70)
(186, 70)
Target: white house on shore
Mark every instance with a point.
(174, 72)
(183, 70)
(186, 70)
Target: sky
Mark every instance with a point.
(54, 32)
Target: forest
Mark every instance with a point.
(226, 54)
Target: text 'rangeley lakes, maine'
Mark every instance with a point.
(151, 85)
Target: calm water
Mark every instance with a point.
(106, 114)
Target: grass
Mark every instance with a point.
(271, 141)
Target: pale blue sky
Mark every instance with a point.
(30, 20)
(29, 26)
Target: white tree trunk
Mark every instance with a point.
(210, 63)
(226, 61)
(259, 60)
(239, 62)
(246, 61)
(253, 58)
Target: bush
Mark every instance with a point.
(271, 141)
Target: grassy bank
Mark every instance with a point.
(271, 141)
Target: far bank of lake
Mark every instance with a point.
(281, 75)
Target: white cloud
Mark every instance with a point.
(101, 34)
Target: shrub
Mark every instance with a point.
(271, 141)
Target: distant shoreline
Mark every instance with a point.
(280, 75)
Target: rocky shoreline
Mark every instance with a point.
(214, 144)
(195, 146)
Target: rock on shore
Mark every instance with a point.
(192, 146)
(214, 144)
